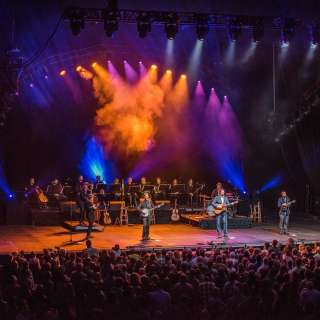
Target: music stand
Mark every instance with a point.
(148, 188)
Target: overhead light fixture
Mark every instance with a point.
(202, 27)
(76, 16)
(235, 28)
(288, 30)
(143, 24)
(315, 34)
(111, 24)
(171, 26)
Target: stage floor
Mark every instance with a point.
(29, 238)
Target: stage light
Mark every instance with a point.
(78, 68)
(202, 27)
(168, 72)
(235, 28)
(46, 77)
(31, 85)
(257, 33)
(76, 16)
(315, 34)
(171, 26)
(284, 44)
(288, 30)
(62, 73)
(10, 196)
(183, 76)
(110, 24)
(154, 67)
(93, 64)
(140, 62)
(143, 24)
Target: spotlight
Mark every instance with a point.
(257, 33)
(154, 67)
(140, 62)
(111, 24)
(46, 77)
(93, 64)
(78, 68)
(234, 28)
(76, 16)
(202, 27)
(171, 26)
(168, 72)
(143, 24)
(284, 44)
(63, 73)
(315, 35)
(10, 196)
(183, 76)
(288, 30)
(31, 85)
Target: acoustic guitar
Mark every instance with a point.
(286, 205)
(218, 209)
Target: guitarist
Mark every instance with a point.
(284, 212)
(220, 201)
(146, 204)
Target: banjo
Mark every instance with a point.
(145, 213)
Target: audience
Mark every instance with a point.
(274, 282)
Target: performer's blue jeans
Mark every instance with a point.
(146, 226)
(222, 218)
(284, 221)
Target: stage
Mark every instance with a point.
(31, 238)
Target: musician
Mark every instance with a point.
(34, 194)
(284, 212)
(219, 201)
(98, 184)
(89, 207)
(130, 195)
(146, 204)
(30, 187)
(80, 197)
(216, 190)
(158, 194)
(190, 189)
(174, 193)
(55, 191)
(143, 182)
(116, 189)
(130, 181)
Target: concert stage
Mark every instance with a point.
(30, 238)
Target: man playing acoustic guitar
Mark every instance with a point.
(220, 203)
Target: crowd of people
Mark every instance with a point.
(273, 282)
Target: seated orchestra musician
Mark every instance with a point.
(130, 190)
(29, 189)
(143, 182)
(98, 184)
(158, 193)
(216, 191)
(116, 189)
(190, 190)
(55, 189)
